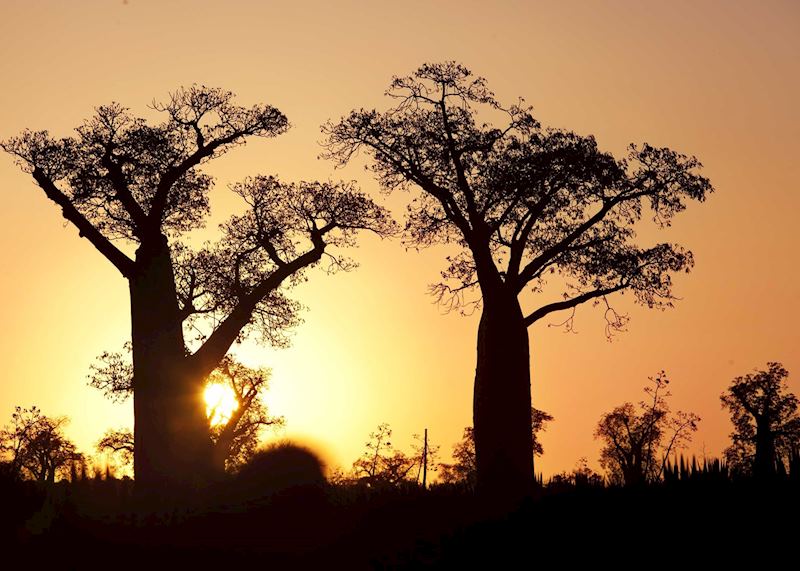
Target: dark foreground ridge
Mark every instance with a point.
(100, 522)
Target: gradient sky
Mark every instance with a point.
(720, 80)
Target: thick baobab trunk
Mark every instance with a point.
(502, 400)
(764, 461)
(172, 445)
(632, 473)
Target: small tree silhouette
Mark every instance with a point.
(637, 441)
(383, 465)
(765, 420)
(35, 447)
(119, 444)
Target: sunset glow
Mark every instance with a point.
(220, 403)
(718, 80)
(399, 284)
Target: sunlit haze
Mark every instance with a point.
(220, 403)
(715, 79)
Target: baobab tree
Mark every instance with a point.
(125, 184)
(765, 419)
(119, 444)
(34, 446)
(235, 432)
(521, 205)
(463, 470)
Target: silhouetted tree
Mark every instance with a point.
(765, 420)
(581, 475)
(637, 441)
(523, 204)
(234, 440)
(381, 463)
(119, 444)
(384, 465)
(463, 470)
(122, 182)
(34, 445)
(237, 439)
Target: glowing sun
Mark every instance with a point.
(220, 403)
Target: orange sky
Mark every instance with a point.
(720, 80)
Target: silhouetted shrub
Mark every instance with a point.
(280, 468)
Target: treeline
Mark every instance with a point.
(640, 441)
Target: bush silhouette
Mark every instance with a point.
(280, 468)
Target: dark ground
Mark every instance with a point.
(101, 523)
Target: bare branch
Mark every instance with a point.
(85, 229)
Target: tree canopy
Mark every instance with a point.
(124, 183)
(766, 422)
(525, 209)
(637, 440)
(535, 201)
(34, 446)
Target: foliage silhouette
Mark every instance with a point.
(463, 471)
(277, 469)
(523, 205)
(126, 184)
(710, 471)
(637, 441)
(580, 476)
(382, 465)
(234, 441)
(112, 374)
(765, 420)
(34, 446)
(118, 444)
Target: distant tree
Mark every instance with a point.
(119, 444)
(522, 205)
(238, 438)
(35, 447)
(766, 423)
(581, 475)
(637, 441)
(234, 441)
(539, 419)
(464, 471)
(127, 185)
(382, 464)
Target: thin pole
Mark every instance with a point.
(425, 462)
